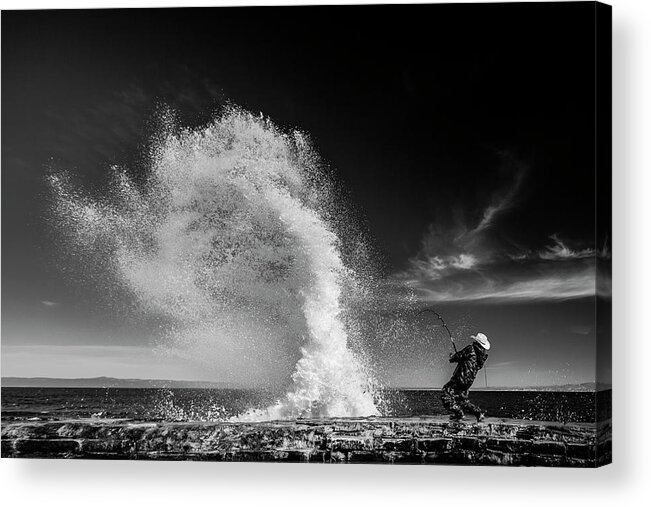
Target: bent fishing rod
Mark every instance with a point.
(438, 316)
(442, 322)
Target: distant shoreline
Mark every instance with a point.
(116, 383)
(112, 382)
(558, 389)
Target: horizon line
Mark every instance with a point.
(596, 385)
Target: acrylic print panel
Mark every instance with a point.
(354, 234)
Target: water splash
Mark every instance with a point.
(232, 239)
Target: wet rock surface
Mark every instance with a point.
(365, 440)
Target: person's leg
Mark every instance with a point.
(470, 407)
(449, 399)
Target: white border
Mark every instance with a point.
(626, 482)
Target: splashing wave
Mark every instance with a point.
(232, 239)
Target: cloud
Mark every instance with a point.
(504, 284)
(503, 199)
(503, 364)
(450, 249)
(477, 262)
(559, 251)
(582, 330)
(49, 304)
(437, 267)
(478, 274)
(604, 253)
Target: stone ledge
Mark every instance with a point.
(362, 440)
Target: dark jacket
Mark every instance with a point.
(470, 359)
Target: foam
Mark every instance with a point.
(229, 239)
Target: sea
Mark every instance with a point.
(201, 404)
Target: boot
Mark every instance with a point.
(457, 416)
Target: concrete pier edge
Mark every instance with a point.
(424, 440)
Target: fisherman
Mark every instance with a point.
(470, 360)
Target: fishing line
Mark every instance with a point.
(438, 316)
(443, 322)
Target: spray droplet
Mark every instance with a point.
(229, 239)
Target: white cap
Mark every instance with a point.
(482, 339)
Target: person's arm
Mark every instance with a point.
(462, 355)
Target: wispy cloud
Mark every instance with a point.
(475, 263)
(437, 267)
(560, 251)
(504, 284)
(503, 364)
(503, 199)
(49, 304)
(582, 330)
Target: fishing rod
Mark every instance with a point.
(443, 322)
(438, 316)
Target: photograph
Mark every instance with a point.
(345, 234)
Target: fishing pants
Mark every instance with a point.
(455, 399)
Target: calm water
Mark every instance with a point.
(23, 403)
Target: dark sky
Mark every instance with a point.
(464, 135)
